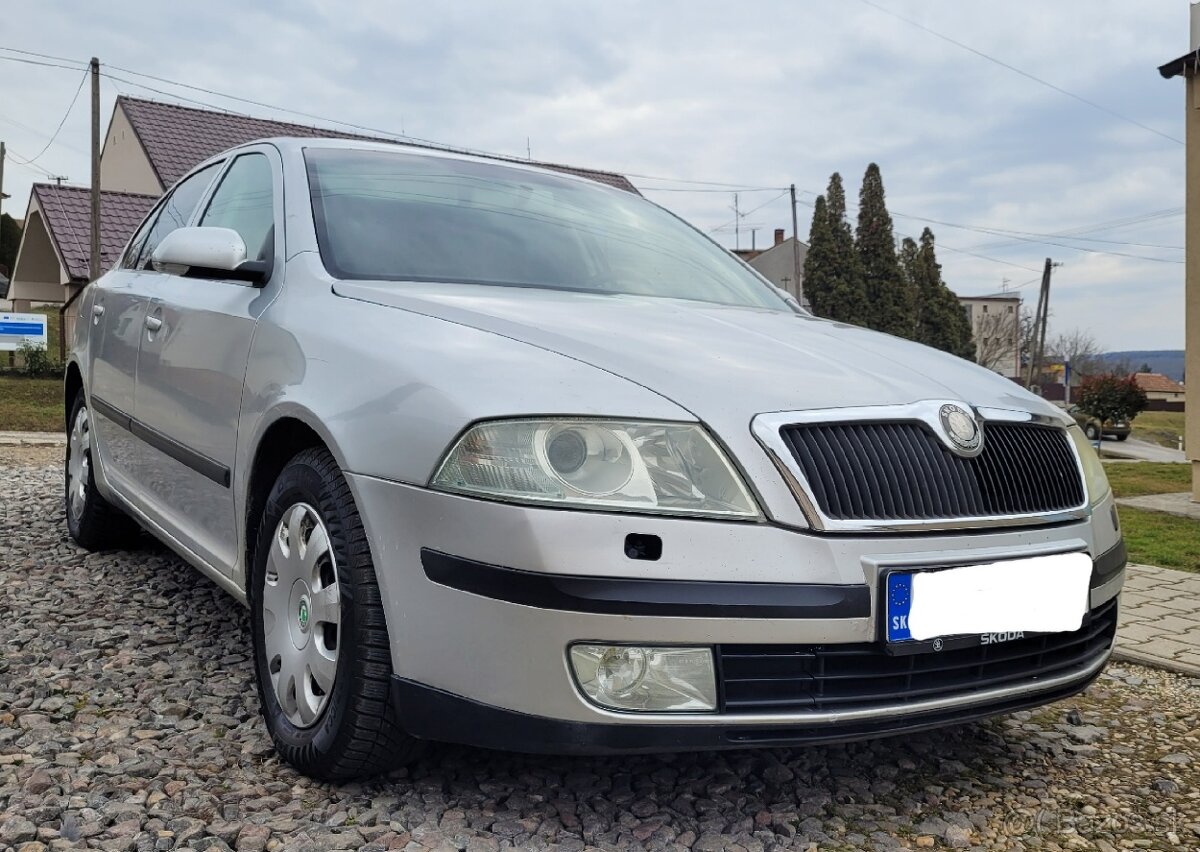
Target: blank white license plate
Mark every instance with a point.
(1042, 594)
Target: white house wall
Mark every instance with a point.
(38, 275)
(777, 264)
(124, 166)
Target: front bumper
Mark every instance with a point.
(478, 652)
(434, 714)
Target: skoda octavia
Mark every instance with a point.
(506, 457)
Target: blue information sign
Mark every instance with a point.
(17, 330)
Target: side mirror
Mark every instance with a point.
(208, 253)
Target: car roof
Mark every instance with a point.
(295, 145)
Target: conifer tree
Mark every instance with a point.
(833, 280)
(818, 261)
(891, 299)
(941, 321)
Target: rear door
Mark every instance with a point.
(118, 316)
(192, 365)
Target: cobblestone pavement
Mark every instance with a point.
(1160, 618)
(128, 721)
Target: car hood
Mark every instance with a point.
(722, 363)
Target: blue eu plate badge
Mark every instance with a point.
(899, 603)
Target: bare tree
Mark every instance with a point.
(1080, 348)
(995, 335)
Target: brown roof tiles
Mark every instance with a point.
(67, 210)
(176, 138)
(1157, 383)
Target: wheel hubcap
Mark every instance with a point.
(301, 615)
(79, 454)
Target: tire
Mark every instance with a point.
(1093, 432)
(1122, 437)
(93, 522)
(328, 633)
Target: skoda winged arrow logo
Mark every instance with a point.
(960, 427)
(302, 616)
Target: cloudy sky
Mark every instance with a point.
(755, 95)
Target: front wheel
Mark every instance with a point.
(92, 521)
(1093, 432)
(322, 655)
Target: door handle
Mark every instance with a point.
(153, 323)
(97, 310)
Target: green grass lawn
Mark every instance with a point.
(1156, 538)
(1135, 479)
(31, 405)
(1159, 427)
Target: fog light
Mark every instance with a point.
(632, 677)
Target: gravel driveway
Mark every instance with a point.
(128, 720)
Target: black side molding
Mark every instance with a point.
(1109, 564)
(185, 455)
(113, 413)
(626, 596)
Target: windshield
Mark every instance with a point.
(407, 217)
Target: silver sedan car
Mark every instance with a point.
(502, 456)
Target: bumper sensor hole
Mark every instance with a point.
(641, 546)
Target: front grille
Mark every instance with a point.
(902, 471)
(796, 678)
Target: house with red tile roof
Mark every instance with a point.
(1158, 386)
(148, 147)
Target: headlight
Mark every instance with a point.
(1094, 476)
(628, 677)
(671, 468)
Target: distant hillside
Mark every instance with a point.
(1169, 362)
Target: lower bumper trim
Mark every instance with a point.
(433, 714)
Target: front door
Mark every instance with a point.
(119, 314)
(192, 367)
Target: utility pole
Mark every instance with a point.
(796, 250)
(737, 224)
(1, 191)
(1039, 324)
(94, 268)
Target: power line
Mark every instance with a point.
(1113, 224)
(251, 102)
(1017, 235)
(942, 245)
(38, 62)
(42, 55)
(748, 212)
(725, 187)
(63, 121)
(27, 164)
(701, 189)
(1017, 70)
